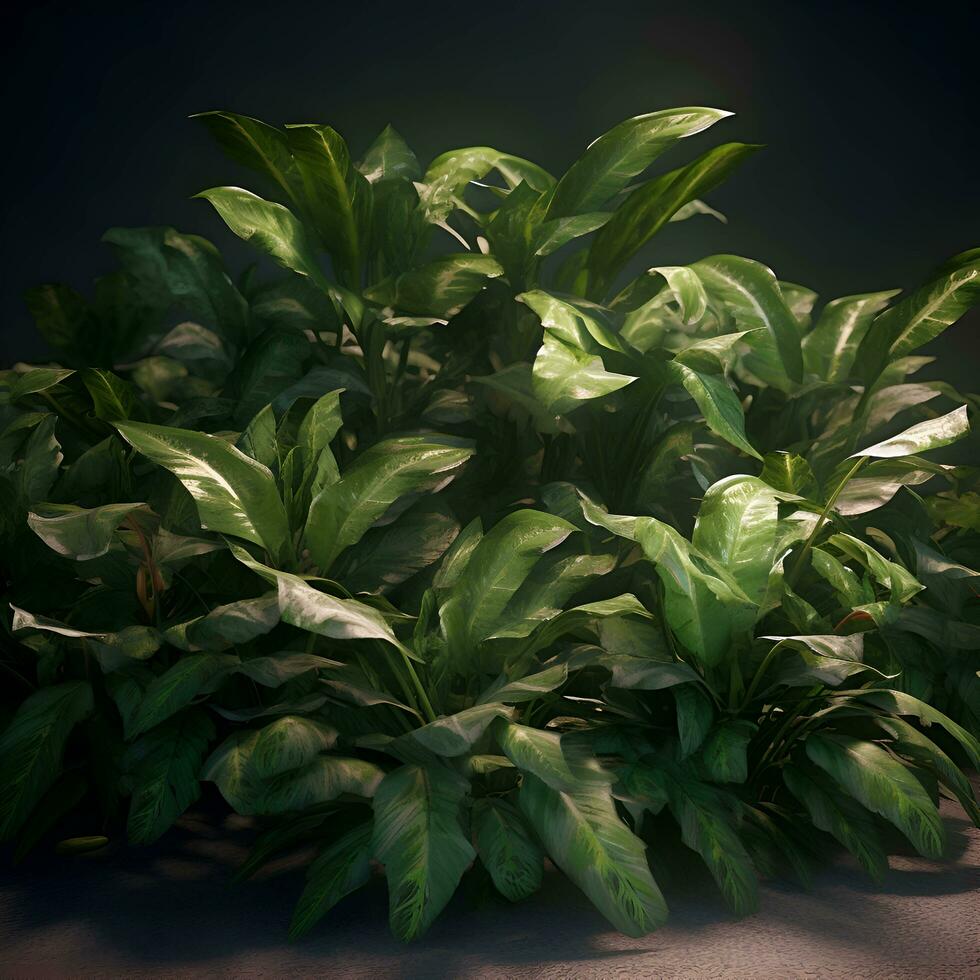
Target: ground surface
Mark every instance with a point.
(171, 910)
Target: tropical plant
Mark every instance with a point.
(463, 543)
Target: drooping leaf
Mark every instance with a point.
(584, 835)
(418, 836)
(78, 532)
(507, 849)
(32, 745)
(922, 437)
(234, 494)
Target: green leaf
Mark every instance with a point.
(441, 288)
(234, 494)
(335, 194)
(701, 606)
(389, 156)
(61, 316)
(583, 834)
(752, 295)
(882, 784)
(113, 399)
(256, 145)
(565, 376)
(540, 753)
(709, 830)
(37, 380)
(325, 778)
(880, 481)
(736, 526)
(718, 404)
(496, 568)
(922, 437)
(838, 815)
(418, 836)
(275, 670)
(455, 734)
(617, 156)
(830, 348)
(695, 716)
(900, 703)
(724, 752)
(317, 430)
(647, 209)
(259, 439)
(456, 168)
(339, 869)
(507, 849)
(78, 532)
(893, 576)
(225, 626)
(32, 745)
(178, 686)
(343, 511)
(528, 688)
(161, 772)
(40, 459)
(922, 316)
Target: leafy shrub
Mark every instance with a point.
(347, 541)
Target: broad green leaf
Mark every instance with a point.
(339, 869)
(687, 290)
(259, 439)
(40, 459)
(820, 659)
(37, 380)
(176, 687)
(788, 473)
(751, 294)
(922, 437)
(528, 688)
(736, 526)
(647, 209)
(565, 376)
(830, 348)
(418, 837)
(334, 193)
(880, 481)
(276, 669)
(507, 849)
(495, 570)
(839, 815)
(455, 734)
(441, 288)
(584, 835)
(695, 716)
(922, 316)
(882, 784)
(161, 773)
(271, 228)
(228, 625)
(900, 703)
(321, 780)
(724, 752)
(113, 399)
(317, 430)
(343, 511)
(456, 168)
(387, 556)
(643, 674)
(580, 325)
(893, 576)
(702, 608)
(62, 317)
(552, 235)
(234, 494)
(78, 532)
(708, 829)
(260, 147)
(718, 404)
(626, 150)
(32, 745)
(541, 753)
(389, 156)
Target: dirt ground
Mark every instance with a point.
(172, 910)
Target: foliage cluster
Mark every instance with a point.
(443, 542)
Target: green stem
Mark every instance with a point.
(419, 689)
(821, 520)
(758, 676)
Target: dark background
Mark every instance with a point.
(868, 110)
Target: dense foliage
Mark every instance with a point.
(458, 545)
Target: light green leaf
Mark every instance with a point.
(343, 511)
(882, 784)
(455, 734)
(922, 437)
(225, 626)
(584, 835)
(389, 156)
(565, 376)
(418, 836)
(234, 494)
(78, 532)
(626, 150)
(893, 576)
(718, 404)
(441, 288)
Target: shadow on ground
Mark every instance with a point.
(172, 910)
